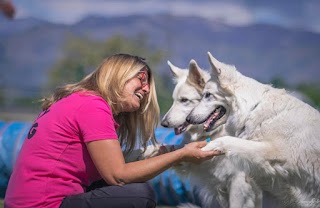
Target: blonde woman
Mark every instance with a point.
(79, 137)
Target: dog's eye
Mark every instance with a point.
(206, 94)
(184, 100)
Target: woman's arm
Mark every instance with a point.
(109, 161)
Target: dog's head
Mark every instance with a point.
(186, 95)
(215, 105)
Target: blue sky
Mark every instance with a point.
(287, 13)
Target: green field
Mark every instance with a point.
(1, 203)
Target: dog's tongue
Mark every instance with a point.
(181, 128)
(207, 123)
(177, 131)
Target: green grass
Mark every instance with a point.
(1, 203)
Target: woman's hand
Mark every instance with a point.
(194, 154)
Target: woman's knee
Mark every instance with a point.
(143, 190)
(147, 195)
(132, 195)
(132, 191)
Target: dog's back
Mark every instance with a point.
(292, 127)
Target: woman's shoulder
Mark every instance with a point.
(89, 99)
(85, 96)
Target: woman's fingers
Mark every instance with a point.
(202, 143)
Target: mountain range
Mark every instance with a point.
(29, 47)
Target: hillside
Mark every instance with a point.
(29, 47)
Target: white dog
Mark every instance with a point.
(219, 183)
(273, 136)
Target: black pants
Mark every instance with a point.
(135, 195)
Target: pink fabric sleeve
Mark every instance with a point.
(95, 120)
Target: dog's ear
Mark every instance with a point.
(176, 71)
(225, 74)
(215, 65)
(194, 75)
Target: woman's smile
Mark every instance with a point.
(135, 90)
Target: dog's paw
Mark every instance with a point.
(216, 145)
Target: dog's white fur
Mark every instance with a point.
(218, 181)
(273, 136)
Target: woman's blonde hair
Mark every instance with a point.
(108, 81)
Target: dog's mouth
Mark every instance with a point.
(182, 128)
(218, 113)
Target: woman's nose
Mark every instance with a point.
(146, 88)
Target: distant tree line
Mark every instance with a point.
(82, 55)
(311, 91)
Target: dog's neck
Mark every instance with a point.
(196, 133)
(245, 99)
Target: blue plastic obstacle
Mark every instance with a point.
(12, 135)
(170, 189)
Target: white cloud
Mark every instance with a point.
(230, 12)
(270, 16)
(72, 11)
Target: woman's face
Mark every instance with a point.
(135, 90)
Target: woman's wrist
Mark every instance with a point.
(181, 153)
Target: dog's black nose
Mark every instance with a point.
(165, 123)
(188, 119)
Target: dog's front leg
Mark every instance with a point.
(244, 192)
(248, 155)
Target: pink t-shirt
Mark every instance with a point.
(54, 161)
